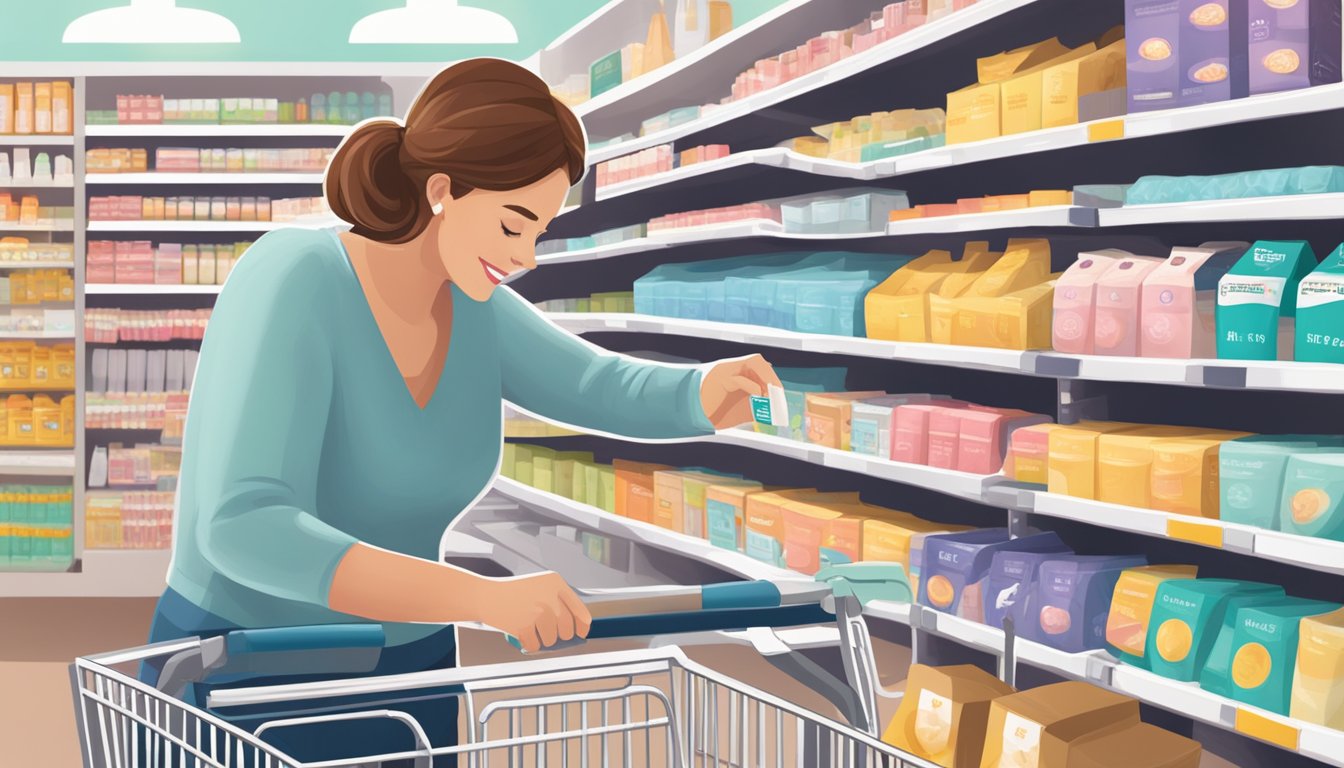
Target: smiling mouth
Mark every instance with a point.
(493, 273)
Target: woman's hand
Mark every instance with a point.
(727, 387)
(538, 610)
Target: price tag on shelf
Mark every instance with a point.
(1198, 533)
(1258, 726)
(1108, 130)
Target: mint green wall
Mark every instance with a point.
(291, 30)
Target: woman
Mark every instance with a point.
(347, 403)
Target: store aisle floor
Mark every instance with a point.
(38, 642)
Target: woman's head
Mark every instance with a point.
(480, 168)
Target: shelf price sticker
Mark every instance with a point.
(1257, 726)
(1197, 533)
(1108, 130)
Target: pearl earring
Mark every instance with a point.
(436, 208)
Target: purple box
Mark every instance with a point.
(1010, 587)
(1152, 65)
(952, 576)
(1293, 44)
(1073, 599)
(1211, 51)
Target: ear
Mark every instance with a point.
(438, 190)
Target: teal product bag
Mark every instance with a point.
(1313, 495)
(1320, 312)
(1251, 472)
(1257, 301)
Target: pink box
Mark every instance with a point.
(984, 436)
(1119, 296)
(1075, 300)
(944, 437)
(1179, 301)
(910, 430)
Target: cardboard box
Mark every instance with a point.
(1152, 35)
(634, 489)
(973, 114)
(1043, 725)
(1212, 50)
(1023, 95)
(993, 69)
(1138, 746)
(944, 712)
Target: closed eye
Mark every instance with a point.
(508, 232)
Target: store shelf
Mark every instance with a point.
(1285, 208)
(52, 463)
(1044, 216)
(635, 245)
(644, 533)
(38, 335)
(36, 265)
(29, 184)
(141, 179)
(219, 131)
(206, 226)
(915, 40)
(36, 140)
(762, 158)
(93, 289)
(51, 226)
(103, 573)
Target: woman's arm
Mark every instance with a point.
(556, 374)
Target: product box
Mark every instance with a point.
(1043, 726)
(944, 436)
(956, 566)
(897, 538)
(1132, 609)
(605, 73)
(1025, 263)
(944, 713)
(7, 105)
(1079, 90)
(1211, 49)
(1188, 616)
(1185, 474)
(1320, 312)
(992, 69)
(975, 113)
(1293, 44)
(1139, 746)
(1318, 679)
(829, 414)
(871, 422)
(1072, 600)
(1010, 588)
(634, 490)
(1153, 67)
(42, 108)
(1264, 651)
(1179, 300)
(1019, 320)
(1028, 459)
(1119, 293)
(567, 473)
(897, 309)
(669, 507)
(695, 500)
(1313, 484)
(725, 512)
(1251, 474)
(984, 435)
(1257, 301)
(1073, 456)
(1125, 463)
(1021, 96)
(823, 533)
(765, 529)
(1075, 300)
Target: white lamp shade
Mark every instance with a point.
(151, 21)
(434, 22)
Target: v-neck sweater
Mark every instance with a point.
(303, 439)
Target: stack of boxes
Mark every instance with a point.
(36, 108)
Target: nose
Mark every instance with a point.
(527, 260)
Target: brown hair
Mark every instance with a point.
(486, 123)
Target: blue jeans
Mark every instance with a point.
(436, 710)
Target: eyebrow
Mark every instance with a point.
(523, 211)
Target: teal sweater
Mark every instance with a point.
(302, 438)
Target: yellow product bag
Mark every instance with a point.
(944, 712)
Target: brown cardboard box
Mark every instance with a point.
(1041, 726)
(1139, 746)
(943, 715)
(23, 108)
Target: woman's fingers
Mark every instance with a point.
(762, 371)
(529, 640)
(564, 620)
(745, 385)
(583, 618)
(546, 624)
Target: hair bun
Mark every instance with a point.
(367, 187)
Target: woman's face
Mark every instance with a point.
(484, 236)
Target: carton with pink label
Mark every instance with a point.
(984, 433)
(1179, 299)
(910, 430)
(1119, 306)
(1075, 300)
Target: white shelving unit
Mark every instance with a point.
(1045, 216)
(102, 573)
(36, 140)
(1287, 208)
(50, 226)
(149, 179)
(124, 289)
(47, 463)
(215, 131)
(202, 226)
(38, 335)
(36, 265)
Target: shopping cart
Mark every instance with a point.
(648, 707)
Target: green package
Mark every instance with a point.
(1257, 297)
(604, 74)
(1188, 616)
(1320, 312)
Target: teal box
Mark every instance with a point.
(764, 548)
(1251, 472)
(1320, 312)
(721, 519)
(1264, 651)
(1257, 300)
(1313, 496)
(604, 74)
(797, 383)
(1187, 619)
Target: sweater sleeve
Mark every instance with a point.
(259, 405)
(562, 377)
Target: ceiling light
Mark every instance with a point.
(151, 21)
(434, 22)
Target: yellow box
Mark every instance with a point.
(829, 414)
(1028, 459)
(942, 310)
(1025, 263)
(1042, 197)
(992, 69)
(1021, 94)
(1073, 456)
(42, 108)
(669, 497)
(1125, 463)
(1064, 84)
(6, 108)
(1318, 682)
(973, 114)
(1185, 474)
(1020, 320)
(23, 108)
(897, 309)
(62, 104)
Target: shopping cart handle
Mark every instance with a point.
(307, 638)
(739, 595)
